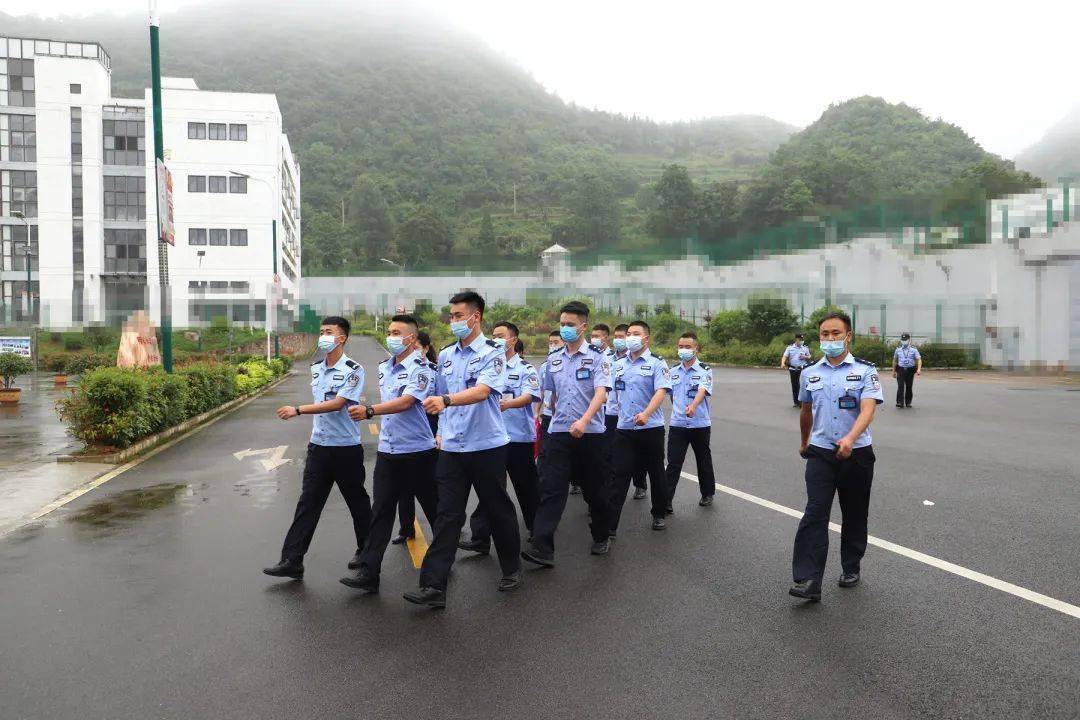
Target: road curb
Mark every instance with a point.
(188, 426)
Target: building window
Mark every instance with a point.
(18, 192)
(219, 286)
(125, 251)
(238, 238)
(196, 131)
(14, 240)
(18, 87)
(196, 183)
(237, 184)
(238, 132)
(76, 135)
(124, 142)
(77, 248)
(196, 236)
(125, 197)
(239, 287)
(217, 131)
(18, 138)
(76, 192)
(75, 88)
(219, 237)
(217, 183)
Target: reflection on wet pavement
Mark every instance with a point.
(129, 505)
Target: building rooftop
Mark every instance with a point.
(29, 48)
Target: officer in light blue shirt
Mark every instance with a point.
(796, 357)
(642, 381)
(839, 394)
(470, 382)
(691, 422)
(598, 339)
(334, 454)
(907, 363)
(405, 464)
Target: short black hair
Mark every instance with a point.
(838, 315)
(423, 338)
(799, 336)
(470, 297)
(337, 321)
(688, 335)
(576, 307)
(555, 333)
(509, 326)
(519, 347)
(641, 323)
(407, 319)
(622, 326)
(602, 328)
(905, 336)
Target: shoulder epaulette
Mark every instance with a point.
(704, 366)
(432, 366)
(352, 364)
(552, 352)
(316, 363)
(864, 362)
(657, 357)
(491, 343)
(448, 346)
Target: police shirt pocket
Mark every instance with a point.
(814, 386)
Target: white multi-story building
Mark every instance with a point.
(77, 174)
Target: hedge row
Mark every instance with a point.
(116, 407)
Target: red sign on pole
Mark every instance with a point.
(166, 230)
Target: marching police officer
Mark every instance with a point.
(839, 394)
(691, 423)
(906, 364)
(641, 487)
(473, 439)
(544, 405)
(796, 357)
(334, 454)
(522, 387)
(642, 381)
(405, 464)
(406, 503)
(579, 377)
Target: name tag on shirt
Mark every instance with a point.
(646, 370)
(583, 374)
(847, 402)
(691, 392)
(620, 385)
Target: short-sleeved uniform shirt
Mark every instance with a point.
(906, 356)
(798, 356)
(471, 428)
(636, 381)
(685, 384)
(574, 378)
(521, 379)
(345, 379)
(408, 431)
(835, 393)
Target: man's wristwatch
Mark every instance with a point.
(446, 400)
(370, 412)
(297, 409)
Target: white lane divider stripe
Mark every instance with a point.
(989, 581)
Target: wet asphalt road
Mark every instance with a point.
(144, 598)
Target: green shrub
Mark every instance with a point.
(53, 363)
(73, 343)
(209, 385)
(253, 375)
(82, 363)
(12, 365)
(728, 325)
(943, 355)
(769, 317)
(109, 407)
(166, 399)
(872, 350)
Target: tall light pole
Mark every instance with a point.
(273, 241)
(18, 214)
(401, 278)
(159, 154)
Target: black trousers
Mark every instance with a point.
(485, 472)
(323, 467)
(905, 381)
(611, 423)
(639, 449)
(851, 480)
(406, 505)
(521, 468)
(583, 462)
(545, 422)
(794, 374)
(395, 476)
(677, 441)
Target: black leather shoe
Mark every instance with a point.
(575, 490)
(354, 564)
(293, 568)
(640, 494)
(849, 579)
(669, 511)
(362, 580)
(908, 405)
(480, 547)
(427, 596)
(601, 547)
(705, 501)
(401, 539)
(538, 557)
(899, 406)
(659, 524)
(510, 582)
(807, 589)
(611, 535)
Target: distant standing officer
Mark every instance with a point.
(906, 364)
(691, 423)
(642, 381)
(839, 394)
(405, 464)
(473, 439)
(796, 357)
(334, 454)
(522, 387)
(579, 377)
(641, 487)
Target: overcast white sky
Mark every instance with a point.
(1004, 72)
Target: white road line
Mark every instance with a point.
(993, 582)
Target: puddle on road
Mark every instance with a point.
(261, 489)
(129, 505)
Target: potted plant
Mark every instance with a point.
(58, 364)
(11, 366)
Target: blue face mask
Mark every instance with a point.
(569, 333)
(633, 343)
(395, 345)
(905, 343)
(327, 343)
(620, 344)
(686, 354)
(832, 348)
(499, 342)
(460, 328)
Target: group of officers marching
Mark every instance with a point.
(466, 419)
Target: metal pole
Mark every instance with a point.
(159, 154)
(273, 235)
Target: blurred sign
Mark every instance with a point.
(873, 330)
(17, 345)
(166, 230)
(138, 343)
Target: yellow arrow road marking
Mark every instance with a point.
(417, 545)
